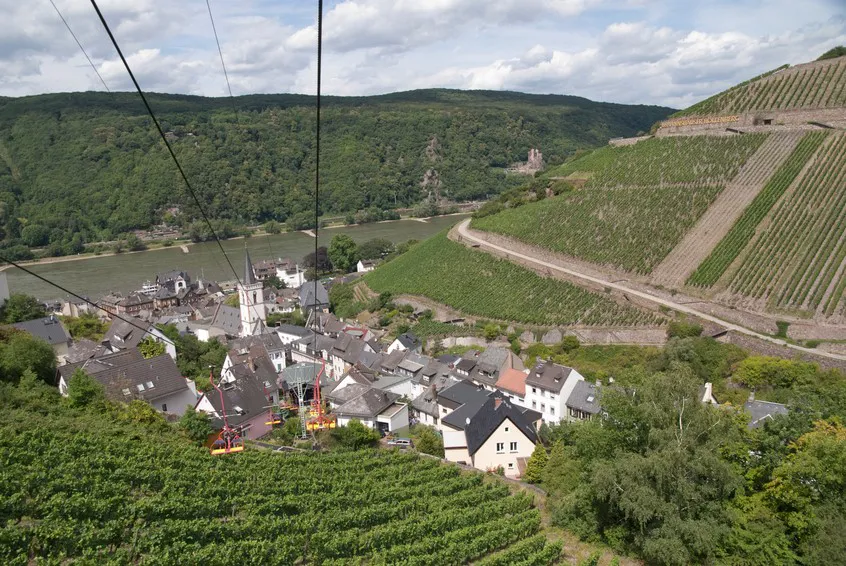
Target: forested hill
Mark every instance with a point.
(92, 164)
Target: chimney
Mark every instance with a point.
(497, 403)
(751, 396)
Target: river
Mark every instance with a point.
(123, 273)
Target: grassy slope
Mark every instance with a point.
(97, 488)
(481, 285)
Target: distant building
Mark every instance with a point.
(548, 387)
(365, 265)
(313, 296)
(762, 411)
(51, 330)
(405, 342)
(251, 295)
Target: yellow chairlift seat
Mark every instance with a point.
(219, 451)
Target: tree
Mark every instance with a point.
(427, 440)
(151, 348)
(84, 390)
(20, 352)
(536, 464)
(20, 307)
(35, 235)
(569, 343)
(274, 281)
(683, 329)
(377, 248)
(491, 331)
(322, 264)
(343, 252)
(196, 425)
(272, 227)
(355, 436)
(87, 325)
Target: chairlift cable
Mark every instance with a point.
(81, 48)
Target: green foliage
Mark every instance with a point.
(272, 227)
(86, 325)
(195, 425)
(355, 436)
(603, 227)
(151, 348)
(274, 282)
(833, 53)
(491, 331)
(343, 252)
(20, 307)
(35, 235)
(536, 465)
(377, 248)
(794, 262)
(782, 327)
(118, 490)
(683, 329)
(232, 300)
(764, 371)
(569, 343)
(84, 390)
(486, 286)
(427, 440)
(194, 357)
(20, 352)
(295, 317)
(89, 164)
(689, 160)
(713, 267)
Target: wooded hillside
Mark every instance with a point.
(92, 164)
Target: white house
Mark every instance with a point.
(374, 408)
(365, 265)
(289, 333)
(548, 386)
(405, 342)
(290, 274)
(495, 434)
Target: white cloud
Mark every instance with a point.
(643, 51)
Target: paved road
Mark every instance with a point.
(467, 234)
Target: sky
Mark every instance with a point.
(670, 52)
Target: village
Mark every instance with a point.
(484, 403)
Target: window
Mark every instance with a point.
(512, 447)
(126, 391)
(534, 389)
(500, 447)
(534, 404)
(543, 407)
(507, 429)
(150, 385)
(164, 407)
(443, 410)
(140, 387)
(510, 465)
(551, 410)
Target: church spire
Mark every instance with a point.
(249, 275)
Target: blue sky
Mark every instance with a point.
(671, 52)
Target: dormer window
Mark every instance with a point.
(150, 385)
(126, 391)
(590, 398)
(140, 387)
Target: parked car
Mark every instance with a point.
(401, 442)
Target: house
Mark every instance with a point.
(583, 402)
(314, 297)
(548, 386)
(289, 333)
(312, 348)
(762, 411)
(51, 330)
(245, 404)
(492, 435)
(290, 273)
(225, 322)
(375, 408)
(264, 350)
(406, 342)
(512, 383)
(129, 333)
(365, 265)
(489, 365)
(127, 375)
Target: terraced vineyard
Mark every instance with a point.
(798, 261)
(148, 497)
(689, 160)
(481, 285)
(710, 270)
(631, 228)
(821, 84)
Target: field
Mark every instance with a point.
(816, 85)
(797, 261)
(480, 285)
(632, 228)
(710, 270)
(88, 488)
(697, 160)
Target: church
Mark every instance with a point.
(251, 298)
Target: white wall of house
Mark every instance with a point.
(361, 268)
(427, 419)
(176, 403)
(502, 448)
(287, 338)
(455, 447)
(344, 420)
(404, 387)
(396, 420)
(396, 345)
(158, 336)
(293, 279)
(552, 404)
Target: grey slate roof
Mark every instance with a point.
(584, 397)
(227, 319)
(461, 393)
(426, 401)
(409, 340)
(762, 411)
(123, 335)
(246, 394)
(489, 417)
(249, 273)
(82, 350)
(548, 376)
(101, 363)
(269, 341)
(293, 330)
(347, 392)
(50, 329)
(160, 370)
(367, 405)
(307, 295)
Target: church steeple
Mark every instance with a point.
(249, 274)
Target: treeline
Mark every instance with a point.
(665, 477)
(89, 167)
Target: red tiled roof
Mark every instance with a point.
(512, 380)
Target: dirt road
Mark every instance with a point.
(467, 234)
